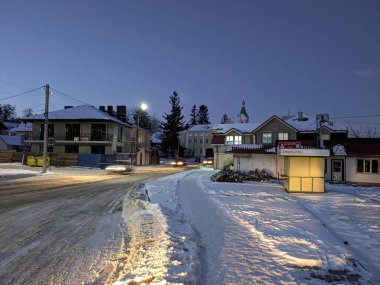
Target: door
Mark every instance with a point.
(337, 170)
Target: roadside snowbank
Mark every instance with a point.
(157, 250)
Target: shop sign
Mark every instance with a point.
(305, 152)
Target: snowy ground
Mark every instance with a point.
(190, 230)
(197, 231)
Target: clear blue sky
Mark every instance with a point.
(281, 56)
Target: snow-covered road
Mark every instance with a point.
(256, 233)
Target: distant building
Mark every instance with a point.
(243, 116)
(196, 141)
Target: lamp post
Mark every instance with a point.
(143, 107)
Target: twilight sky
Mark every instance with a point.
(281, 56)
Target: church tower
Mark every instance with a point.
(243, 116)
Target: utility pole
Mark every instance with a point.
(46, 128)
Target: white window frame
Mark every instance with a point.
(283, 136)
(229, 139)
(265, 137)
(237, 139)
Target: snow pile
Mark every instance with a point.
(295, 235)
(156, 251)
(15, 173)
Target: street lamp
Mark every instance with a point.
(143, 107)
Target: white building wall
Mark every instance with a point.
(353, 176)
(255, 161)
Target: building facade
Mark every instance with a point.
(87, 130)
(196, 141)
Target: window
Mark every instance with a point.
(367, 166)
(229, 139)
(72, 132)
(119, 149)
(71, 148)
(200, 140)
(283, 136)
(237, 140)
(98, 132)
(195, 140)
(206, 140)
(119, 133)
(189, 140)
(233, 139)
(267, 138)
(50, 131)
(375, 166)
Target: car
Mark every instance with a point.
(178, 162)
(208, 162)
(120, 166)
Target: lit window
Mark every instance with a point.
(229, 139)
(283, 136)
(267, 137)
(237, 140)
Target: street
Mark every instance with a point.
(65, 227)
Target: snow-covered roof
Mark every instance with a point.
(23, 127)
(198, 128)
(10, 125)
(12, 140)
(85, 112)
(304, 125)
(243, 128)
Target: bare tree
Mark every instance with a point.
(27, 112)
(362, 131)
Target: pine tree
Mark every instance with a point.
(193, 116)
(203, 115)
(173, 124)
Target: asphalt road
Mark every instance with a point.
(64, 228)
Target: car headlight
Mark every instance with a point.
(179, 163)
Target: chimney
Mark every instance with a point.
(121, 113)
(110, 110)
(300, 116)
(102, 108)
(68, 107)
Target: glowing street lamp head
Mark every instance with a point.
(143, 106)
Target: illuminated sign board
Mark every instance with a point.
(304, 152)
(289, 144)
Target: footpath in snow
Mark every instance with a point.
(194, 231)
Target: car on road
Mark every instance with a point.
(208, 162)
(178, 162)
(120, 166)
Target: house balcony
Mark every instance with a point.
(64, 138)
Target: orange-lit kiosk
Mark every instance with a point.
(304, 169)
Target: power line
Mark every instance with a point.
(68, 96)
(2, 99)
(354, 117)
